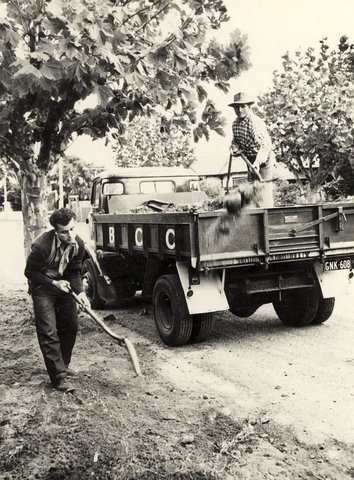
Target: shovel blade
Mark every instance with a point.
(133, 356)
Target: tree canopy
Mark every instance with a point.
(310, 111)
(134, 57)
(77, 178)
(147, 143)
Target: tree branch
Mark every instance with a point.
(303, 170)
(15, 5)
(140, 11)
(153, 17)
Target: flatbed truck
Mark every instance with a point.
(297, 258)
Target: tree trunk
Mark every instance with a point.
(34, 207)
(312, 195)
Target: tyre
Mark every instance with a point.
(202, 327)
(244, 312)
(89, 280)
(239, 305)
(298, 308)
(173, 322)
(325, 309)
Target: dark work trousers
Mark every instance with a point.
(56, 323)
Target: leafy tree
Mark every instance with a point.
(134, 56)
(342, 186)
(77, 177)
(310, 112)
(147, 143)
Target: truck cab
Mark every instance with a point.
(127, 188)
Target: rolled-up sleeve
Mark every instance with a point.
(262, 139)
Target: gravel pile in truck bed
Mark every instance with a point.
(206, 206)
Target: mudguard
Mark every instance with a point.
(332, 282)
(206, 294)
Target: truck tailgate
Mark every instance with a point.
(276, 234)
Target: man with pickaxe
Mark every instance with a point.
(252, 142)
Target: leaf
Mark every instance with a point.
(179, 61)
(95, 34)
(104, 94)
(188, 94)
(52, 70)
(26, 84)
(8, 35)
(205, 131)
(197, 134)
(202, 93)
(79, 72)
(139, 80)
(161, 54)
(5, 78)
(114, 59)
(167, 81)
(28, 69)
(224, 86)
(40, 56)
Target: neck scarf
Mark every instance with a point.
(65, 255)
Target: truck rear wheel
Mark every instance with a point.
(89, 281)
(298, 308)
(173, 321)
(325, 310)
(202, 327)
(244, 312)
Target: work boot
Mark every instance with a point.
(64, 386)
(70, 372)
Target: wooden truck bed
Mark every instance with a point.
(258, 236)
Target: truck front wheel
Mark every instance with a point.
(173, 321)
(298, 308)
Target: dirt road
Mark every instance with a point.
(303, 378)
(256, 401)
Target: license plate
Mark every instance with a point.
(337, 264)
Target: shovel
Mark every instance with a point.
(249, 165)
(247, 193)
(235, 201)
(120, 340)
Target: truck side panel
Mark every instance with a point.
(163, 235)
(259, 236)
(277, 234)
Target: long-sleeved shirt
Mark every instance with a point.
(250, 134)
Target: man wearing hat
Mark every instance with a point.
(251, 138)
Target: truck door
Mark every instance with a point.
(95, 207)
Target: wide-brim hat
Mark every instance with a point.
(242, 98)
